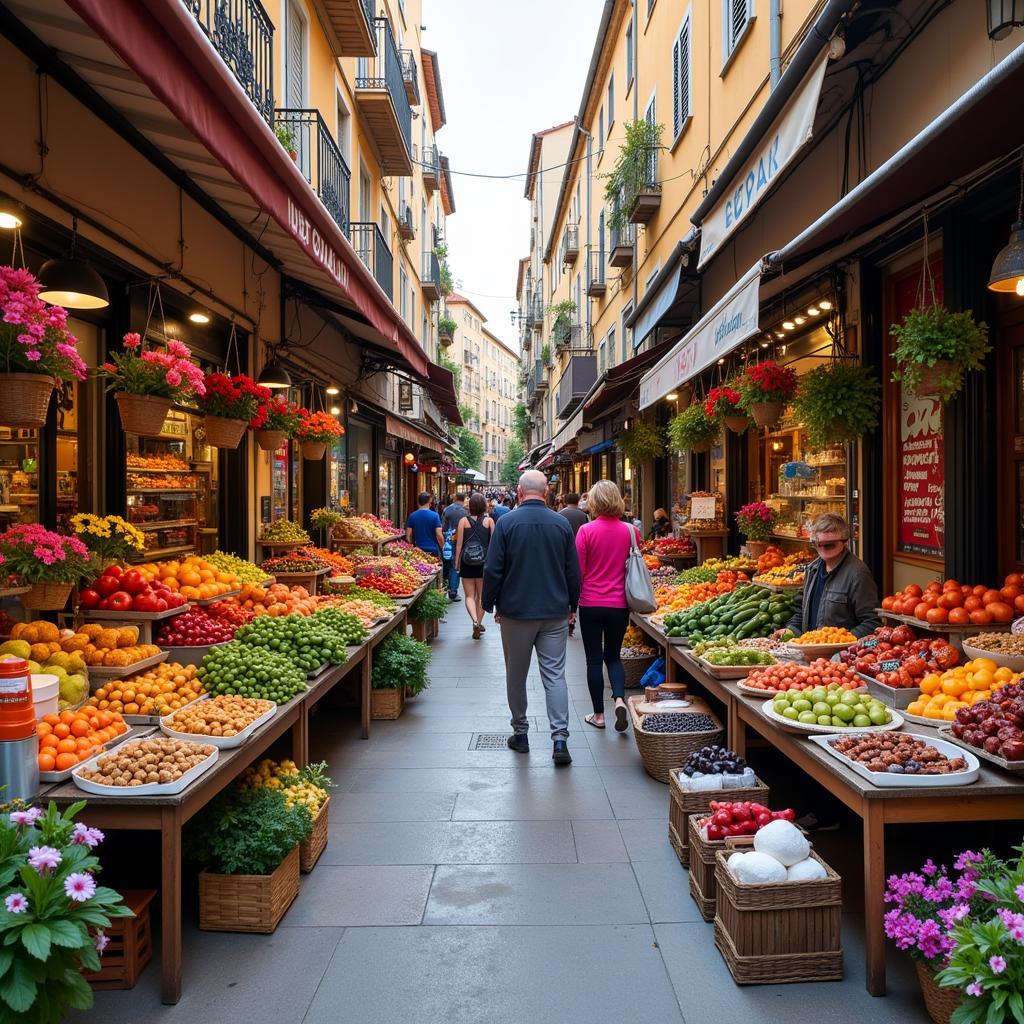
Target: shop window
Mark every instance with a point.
(387, 476)
(19, 476)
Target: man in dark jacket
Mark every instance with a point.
(532, 583)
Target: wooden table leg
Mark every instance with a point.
(300, 736)
(874, 895)
(170, 904)
(365, 671)
(736, 729)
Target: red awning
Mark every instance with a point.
(402, 428)
(441, 387)
(622, 380)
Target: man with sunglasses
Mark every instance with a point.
(839, 589)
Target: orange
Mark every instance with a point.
(67, 717)
(48, 742)
(80, 727)
(51, 719)
(66, 761)
(47, 762)
(61, 730)
(44, 728)
(67, 746)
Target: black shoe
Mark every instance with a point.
(454, 597)
(560, 754)
(519, 743)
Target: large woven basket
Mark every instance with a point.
(25, 399)
(222, 432)
(310, 850)
(938, 1001)
(387, 704)
(270, 440)
(248, 903)
(634, 669)
(46, 596)
(313, 451)
(142, 414)
(663, 751)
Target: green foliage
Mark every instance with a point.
(631, 171)
(838, 402)
(447, 282)
(565, 308)
(446, 326)
(933, 334)
(324, 518)
(286, 136)
(466, 413)
(469, 452)
(545, 355)
(452, 368)
(520, 417)
(513, 456)
(401, 661)
(693, 428)
(642, 441)
(432, 604)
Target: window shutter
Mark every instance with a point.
(738, 21)
(676, 118)
(293, 74)
(683, 75)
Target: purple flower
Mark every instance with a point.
(43, 858)
(26, 817)
(16, 903)
(997, 964)
(1019, 893)
(102, 941)
(929, 868)
(965, 858)
(90, 837)
(975, 988)
(80, 886)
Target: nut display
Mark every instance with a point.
(223, 715)
(998, 643)
(897, 754)
(144, 762)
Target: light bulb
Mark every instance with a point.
(764, 344)
(335, 411)
(1020, 286)
(672, 396)
(200, 316)
(800, 319)
(813, 311)
(332, 390)
(825, 304)
(8, 221)
(788, 325)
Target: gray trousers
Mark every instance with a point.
(519, 639)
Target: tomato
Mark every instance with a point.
(959, 616)
(114, 571)
(951, 599)
(935, 587)
(989, 596)
(1015, 579)
(1018, 605)
(913, 590)
(147, 603)
(937, 616)
(133, 581)
(972, 603)
(121, 601)
(1000, 611)
(921, 611)
(89, 598)
(1009, 592)
(106, 585)
(981, 617)
(979, 590)
(887, 603)
(951, 585)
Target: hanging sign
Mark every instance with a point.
(921, 476)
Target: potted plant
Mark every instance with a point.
(286, 136)
(399, 664)
(445, 330)
(230, 404)
(693, 429)
(109, 539)
(47, 562)
(316, 431)
(431, 606)
(723, 405)
(36, 350)
(276, 422)
(561, 328)
(248, 840)
(641, 441)
(935, 348)
(53, 913)
(545, 356)
(634, 172)
(146, 383)
(755, 521)
(838, 402)
(765, 389)
(325, 520)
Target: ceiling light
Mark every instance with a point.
(672, 396)
(1008, 267)
(332, 390)
(335, 411)
(71, 282)
(8, 221)
(200, 316)
(764, 344)
(813, 311)
(800, 319)
(779, 334)
(825, 304)
(721, 362)
(274, 375)
(788, 325)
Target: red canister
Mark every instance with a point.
(19, 746)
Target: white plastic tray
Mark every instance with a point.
(136, 733)
(761, 692)
(884, 780)
(222, 742)
(788, 725)
(150, 788)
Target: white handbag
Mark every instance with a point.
(639, 585)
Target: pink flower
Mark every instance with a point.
(16, 903)
(997, 964)
(43, 858)
(975, 988)
(33, 355)
(131, 340)
(80, 886)
(173, 378)
(102, 941)
(28, 817)
(179, 349)
(90, 837)
(1019, 893)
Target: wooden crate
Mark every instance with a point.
(248, 903)
(702, 867)
(130, 947)
(314, 846)
(387, 704)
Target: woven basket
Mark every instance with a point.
(660, 751)
(387, 704)
(222, 432)
(313, 451)
(701, 875)
(310, 850)
(248, 903)
(142, 414)
(25, 399)
(46, 596)
(270, 440)
(766, 414)
(634, 669)
(738, 423)
(938, 1001)
(930, 385)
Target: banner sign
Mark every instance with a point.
(922, 477)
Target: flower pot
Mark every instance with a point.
(222, 432)
(445, 339)
(702, 446)
(248, 903)
(142, 414)
(25, 399)
(50, 597)
(931, 376)
(270, 440)
(737, 424)
(313, 450)
(939, 1002)
(757, 547)
(766, 414)
(387, 704)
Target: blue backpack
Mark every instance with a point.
(448, 551)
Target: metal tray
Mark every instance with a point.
(886, 781)
(190, 655)
(106, 615)
(124, 671)
(1001, 762)
(222, 742)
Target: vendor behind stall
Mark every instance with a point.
(662, 525)
(839, 590)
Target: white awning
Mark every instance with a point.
(728, 323)
(569, 431)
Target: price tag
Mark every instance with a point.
(891, 665)
(702, 508)
(868, 642)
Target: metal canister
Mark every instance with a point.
(19, 744)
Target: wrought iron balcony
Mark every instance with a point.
(623, 243)
(596, 284)
(430, 163)
(243, 35)
(536, 311)
(319, 159)
(372, 248)
(579, 377)
(384, 105)
(540, 376)
(406, 223)
(646, 191)
(430, 277)
(410, 73)
(566, 333)
(570, 244)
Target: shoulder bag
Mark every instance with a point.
(639, 586)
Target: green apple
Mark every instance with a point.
(879, 716)
(802, 705)
(821, 708)
(843, 712)
(792, 713)
(861, 721)
(808, 718)
(824, 719)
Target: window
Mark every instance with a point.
(629, 55)
(611, 346)
(627, 312)
(600, 133)
(681, 77)
(601, 358)
(600, 244)
(401, 287)
(736, 18)
(611, 99)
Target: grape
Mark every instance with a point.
(677, 722)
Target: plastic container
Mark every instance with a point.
(19, 744)
(45, 692)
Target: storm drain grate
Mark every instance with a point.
(489, 741)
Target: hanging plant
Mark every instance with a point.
(641, 442)
(723, 405)
(693, 429)
(545, 355)
(632, 171)
(276, 422)
(765, 389)
(838, 402)
(936, 347)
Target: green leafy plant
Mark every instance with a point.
(286, 136)
(838, 402)
(520, 418)
(633, 170)
(469, 452)
(641, 441)
(545, 355)
(936, 346)
(446, 327)
(446, 283)
(325, 518)
(693, 428)
(432, 604)
(513, 456)
(401, 661)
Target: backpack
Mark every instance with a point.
(448, 551)
(474, 551)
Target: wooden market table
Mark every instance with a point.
(348, 543)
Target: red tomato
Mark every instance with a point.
(989, 596)
(1009, 592)
(106, 585)
(133, 581)
(951, 599)
(147, 603)
(979, 590)
(959, 616)
(937, 615)
(935, 587)
(1018, 605)
(972, 603)
(89, 598)
(921, 611)
(1000, 611)
(981, 617)
(951, 585)
(913, 590)
(1014, 580)
(121, 601)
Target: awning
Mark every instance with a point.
(665, 290)
(568, 433)
(546, 461)
(621, 381)
(728, 323)
(441, 385)
(397, 426)
(596, 449)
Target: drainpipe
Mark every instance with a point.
(775, 42)
(590, 143)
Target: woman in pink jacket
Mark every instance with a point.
(603, 545)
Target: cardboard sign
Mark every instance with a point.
(702, 508)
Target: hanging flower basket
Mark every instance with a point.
(270, 440)
(764, 391)
(142, 414)
(766, 414)
(315, 432)
(230, 404)
(737, 424)
(931, 378)
(757, 547)
(25, 399)
(46, 597)
(313, 451)
(222, 432)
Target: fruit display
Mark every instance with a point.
(243, 571)
(942, 696)
(167, 463)
(675, 547)
(713, 760)
(781, 854)
(69, 667)
(106, 647)
(833, 706)
(308, 642)
(636, 645)
(224, 716)
(679, 598)
(897, 754)
(277, 599)
(34, 641)
(695, 574)
(825, 635)
(670, 721)
(341, 625)
(251, 672)
(365, 612)
(194, 628)
(772, 557)
(732, 564)
(393, 585)
(71, 737)
(363, 527)
(740, 818)
(369, 594)
(159, 761)
(229, 613)
(333, 560)
(1010, 644)
(306, 786)
(158, 691)
(896, 657)
(652, 562)
(995, 725)
(782, 576)
(743, 612)
(121, 590)
(291, 564)
(284, 531)
(193, 577)
(955, 604)
(788, 677)
(166, 482)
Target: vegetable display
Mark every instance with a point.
(745, 612)
(308, 643)
(743, 818)
(401, 661)
(832, 706)
(959, 604)
(788, 676)
(306, 786)
(251, 672)
(243, 571)
(732, 654)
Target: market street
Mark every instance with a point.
(485, 886)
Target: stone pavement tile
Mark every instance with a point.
(598, 841)
(535, 781)
(346, 807)
(666, 891)
(412, 723)
(361, 896)
(645, 839)
(451, 842)
(633, 793)
(708, 995)
(426, 757)
(495, 975)
(525, 894)
(535, 803)
(610, 748)
(259, 979)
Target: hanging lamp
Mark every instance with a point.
(71, 282)
(1008, 267)
(274, 375)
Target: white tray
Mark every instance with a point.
(814, 651)
(124, 671)
(884, 780)
(106, 615)
(1007, 766)
(760, 692)
(1014, 662)
(150, 788)
(223, 742)
(788, 725)
(132, 733)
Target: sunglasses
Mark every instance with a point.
(828, 545)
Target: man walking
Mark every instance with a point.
(449, 524)
(532, 583)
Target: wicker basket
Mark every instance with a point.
(683, 803)
(310, 850)
(701, 875)
(130, 947)
(270, 440)
(248, 903)
(142, 414)
(663, 751)
(938, 1001)
(766, 414)
(634, 669)
(25, 399)
(387, 704)
(46, 596)
(313, 451)
(222, 432)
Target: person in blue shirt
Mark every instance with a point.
(499, 510)
(424, 527)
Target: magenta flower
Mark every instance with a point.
(131, 340)
(16, 903)
(28, 817)
(86, 836)
(80, 886)
(173, 378)
(102, 941)
(43, 858)
(1019, 893)
(997, 964)
(975, 988)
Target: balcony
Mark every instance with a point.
(647, 191)
(319, 159)
(430, 277)
(596, 284)
(535, 314)
(579, 377)
(406, 224)
(623, 244)
(384, 105)
(352, 21)
(540, 377)
(566, 333)
(570, 244)
(431, 167)
(372, 248)
(243, 35)
(410, 74)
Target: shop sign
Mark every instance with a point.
(702, 508)
(921, 477)
(313, 242)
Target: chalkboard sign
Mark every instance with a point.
(265, 509)
(890, 665)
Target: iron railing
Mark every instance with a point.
(431, 164)
(385, 71)
(595, 264)
(410, 76)
(537, 307)
(570, 243)
(320, 160)
(372, 248)
(567, 333)
(243, 35)
(430, 270)
(539, 376)
(370, 10)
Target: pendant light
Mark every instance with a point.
(1008, 268)
(71, 282)
(274, 375)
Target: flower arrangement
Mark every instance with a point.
(693, 429)
(34, 554)
(324, 518)
(641, 441)
(723, 402)
(278, 414)
(766, 382)
(158, 373)
(838, 402)
(53, 913)
(233, 398)
(33, 336)
(108, 538)
(755, 520)
(318, 427)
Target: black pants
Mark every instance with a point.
(602, 630)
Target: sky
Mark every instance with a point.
(507, 71)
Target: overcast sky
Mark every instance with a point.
(507, 70)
